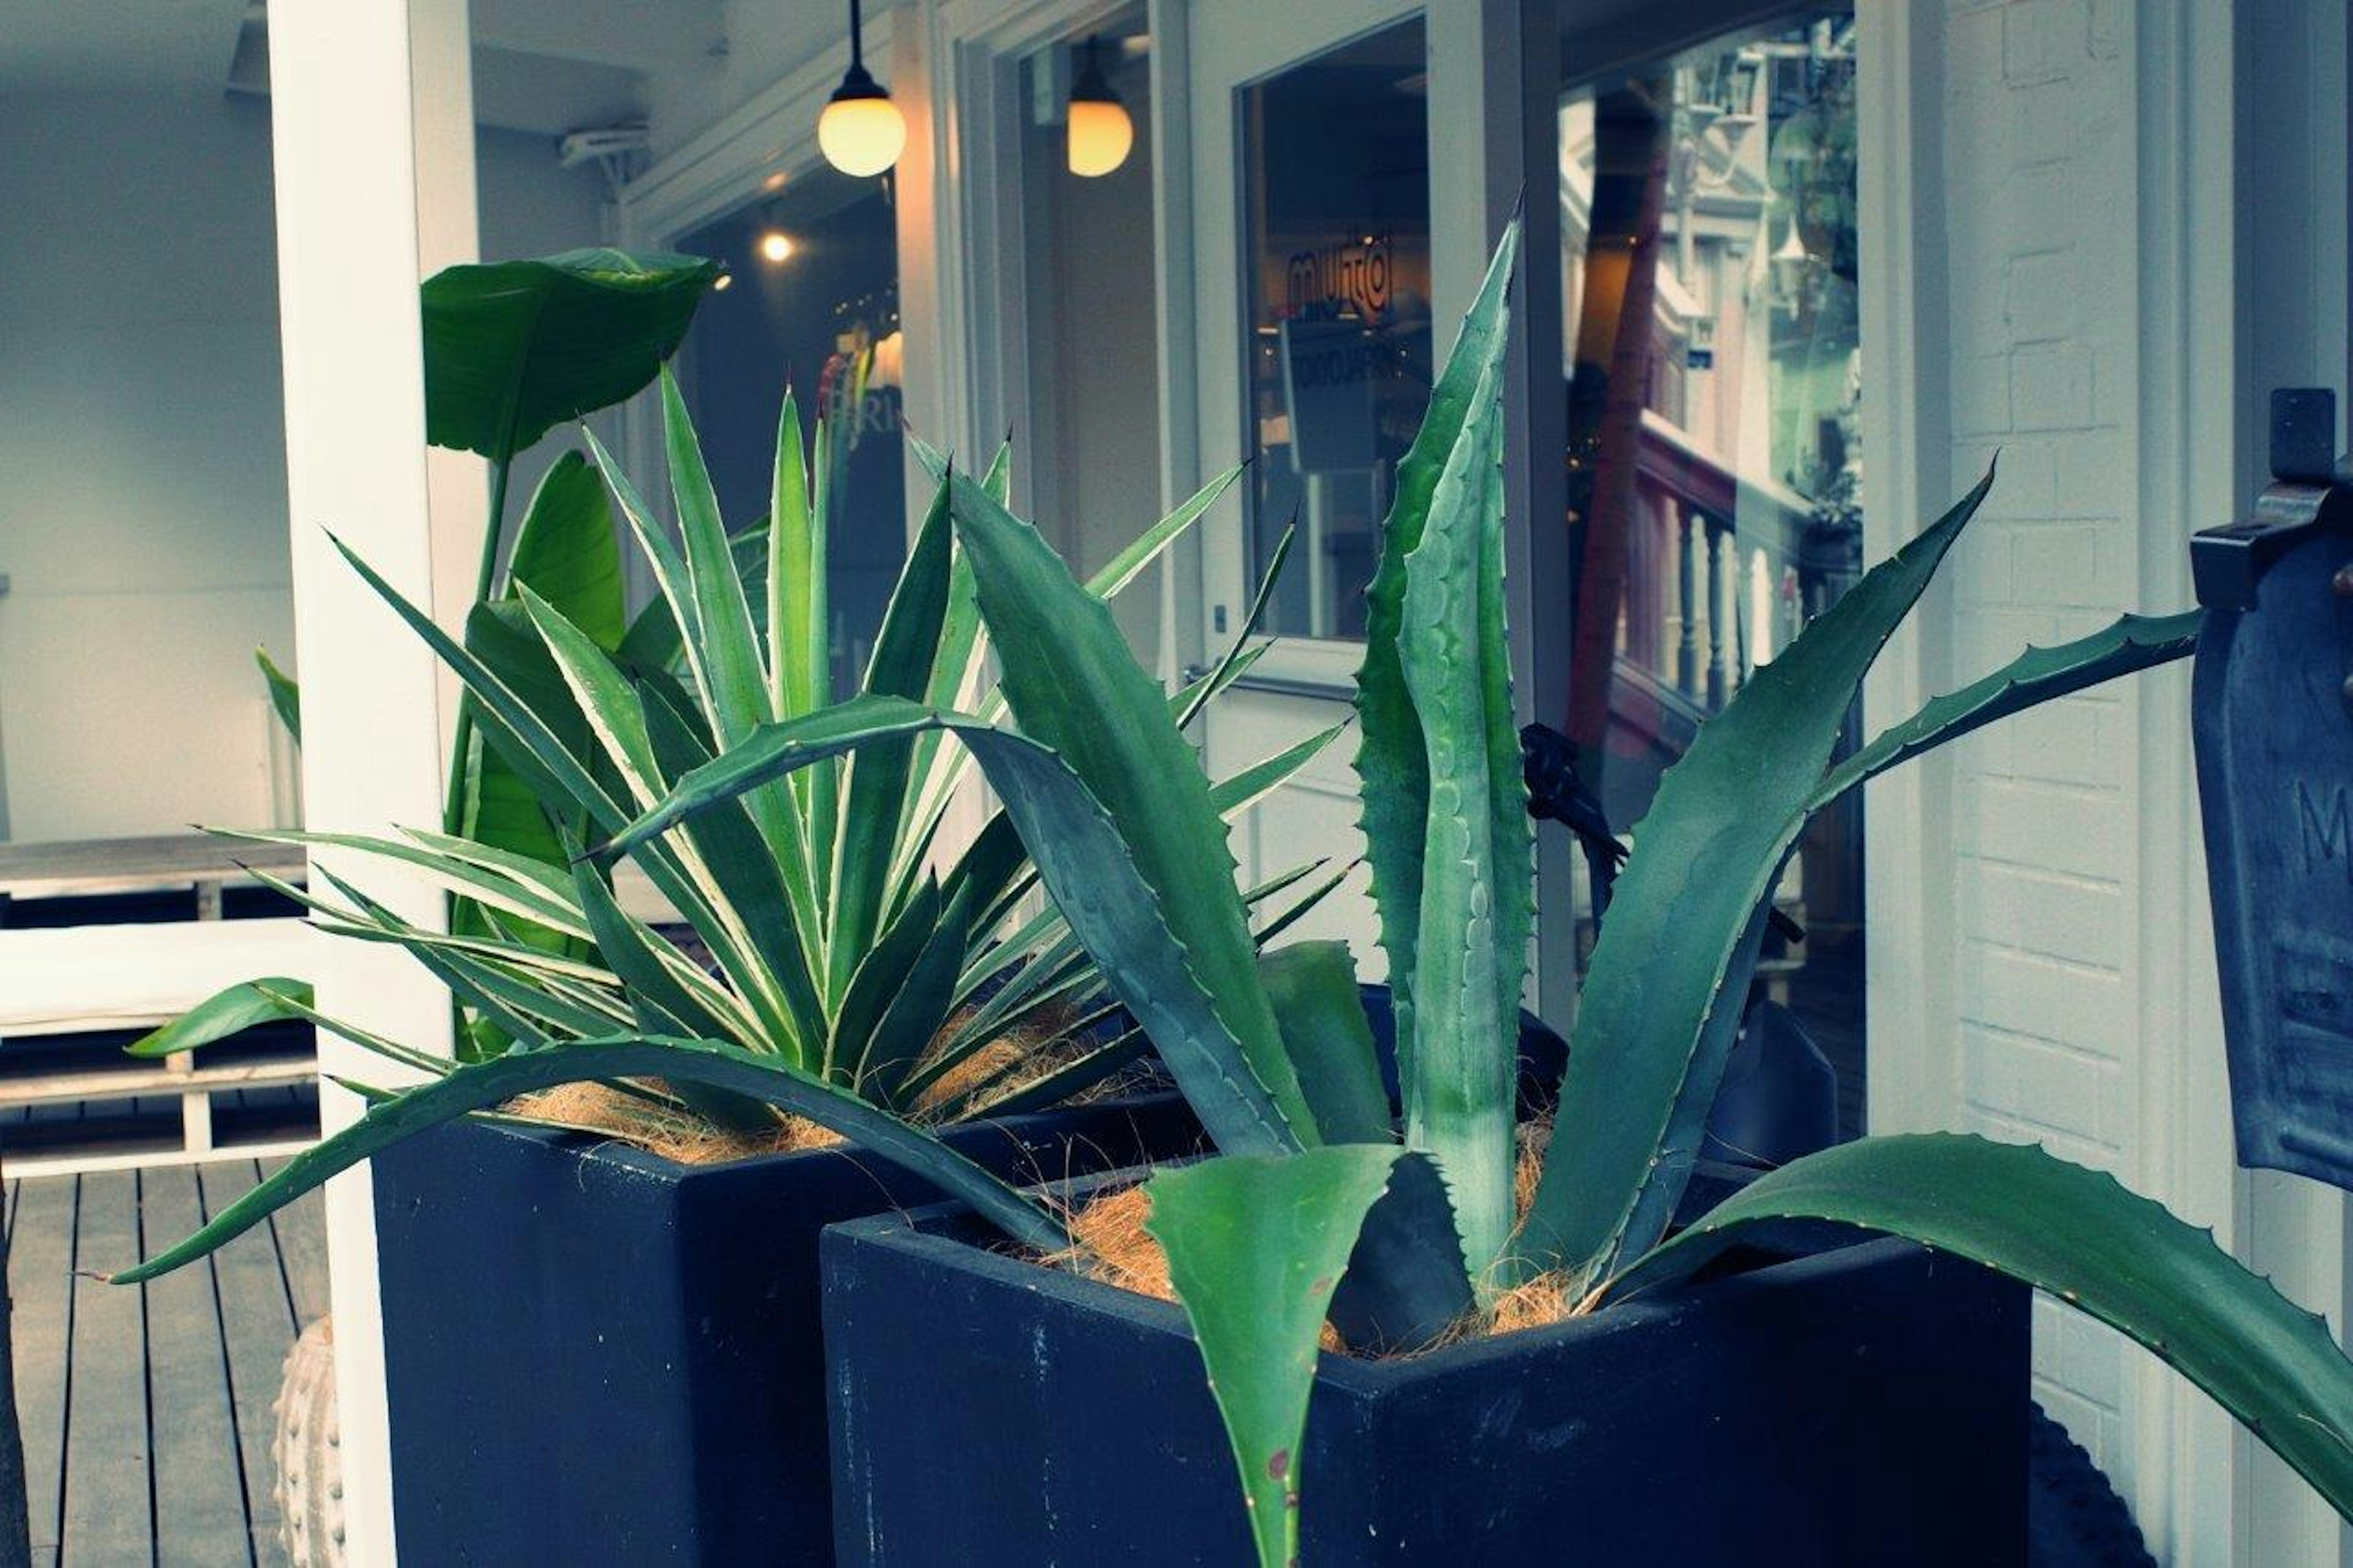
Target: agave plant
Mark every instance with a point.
(835, 945)
(1321, 1205)
(512, 349)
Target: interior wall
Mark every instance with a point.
(142, 528)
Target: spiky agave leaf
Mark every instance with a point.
(2078, 1236)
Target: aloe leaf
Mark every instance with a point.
(2081, 1236)
(2037, 676)
(1086, 865)
(795, 640)
(914, 1018)
(1662, 1000)
(776, 944)
(1074, 686)
(882, 972)
(654, 643)
(1471, 952)
(1236, 793)
(1662, 995)
(1255, 1247)
(466, 877)
(513, 348)
(712, 1064)
(225, 1013)
(285, 695)
(1391, 756)
(875, 798)
(1313, 984)
(731, 650)
(1198, 696)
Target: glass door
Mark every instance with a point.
(1313, 212)
(810, 301)
(1714, 467)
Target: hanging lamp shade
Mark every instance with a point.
(1100, 131)
(861, 132)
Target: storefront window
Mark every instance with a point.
(811, 302)
(1336, 181)
(1709, 241)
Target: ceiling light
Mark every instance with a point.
(775, 245)
(1100, 130)
(861, 132)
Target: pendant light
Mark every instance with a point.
(861, 132)
(1100, 130)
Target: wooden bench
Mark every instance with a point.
(106, 979)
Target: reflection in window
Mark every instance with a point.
(1708, 208)
(1336, 170)
(811, 302)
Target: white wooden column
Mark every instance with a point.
(372, 129)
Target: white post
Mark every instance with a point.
(372, 128)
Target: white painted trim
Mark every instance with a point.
(373, 159)
(2188, 1455)
(1908, 998)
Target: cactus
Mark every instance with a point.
(308, 1450)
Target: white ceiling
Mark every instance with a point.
(539, 65)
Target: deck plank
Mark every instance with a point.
(257, 1328)
(301, 1227)
(200, 1500)
(108, 1513)
(40, 1285)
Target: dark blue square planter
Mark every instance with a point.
(1865, 1405)
(596, 1355)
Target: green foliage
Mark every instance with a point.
(2079, 1236)
(1255, 1246)
(221, 1014)
(796, 846)
(514, 349)
(285, 696)
(1663, 999)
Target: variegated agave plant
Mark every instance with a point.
(1320, 1205)
(834, 949)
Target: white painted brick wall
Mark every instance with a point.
(2040, 174)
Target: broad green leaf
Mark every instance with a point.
(1471, 952)
(1662, 998)
(1313, 984)
(1085, 863)
(2037, 676)
(2080, 1237)
(513, 348)
(567, 554)
(714, 1064)
(1391, 756)
(225, 1013)
(285, 696)
(1074, 686)
(1255, 1247)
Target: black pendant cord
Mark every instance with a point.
(857, 40)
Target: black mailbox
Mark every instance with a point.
(2273, 710)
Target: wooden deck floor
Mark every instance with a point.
(146, 1409)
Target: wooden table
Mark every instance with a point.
(200, 860)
